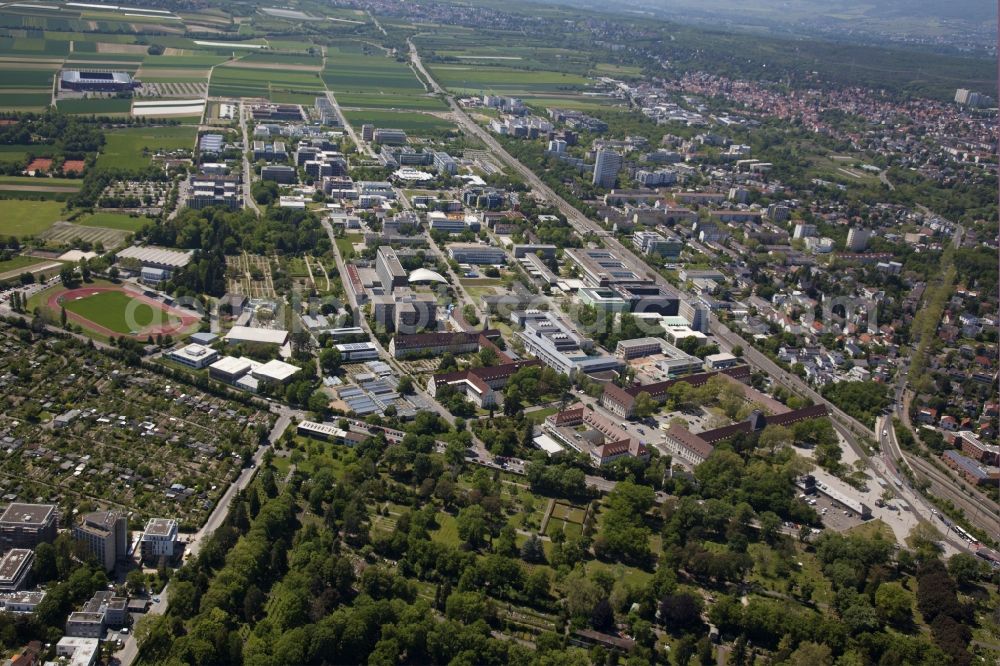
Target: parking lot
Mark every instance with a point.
(833, 514)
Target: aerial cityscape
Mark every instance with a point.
(464, 332)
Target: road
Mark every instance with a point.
(362, 146)
(247, 169)
(130, 651)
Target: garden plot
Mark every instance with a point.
(66, 234)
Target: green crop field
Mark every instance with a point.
(283, 59)
(25, 100)
(115, 310)
(95, 106)
(409, 122)
(27, 218)
(113, 221)
(415, 102)
(242, 82)
(123, 147)
(33, 46)
(27, 78)
(477, 79)
(351, 67)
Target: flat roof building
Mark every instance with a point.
(194, 356)
(476, 253)
(159, 539)
(266, 336)
(156, 257)
(230, 368)
(15, 567)
(275, 372)
(27, 525)
(389, 269)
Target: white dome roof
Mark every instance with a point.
(426, 275)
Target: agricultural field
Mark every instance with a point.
(478, 79)
(133, 147)
(28, 218)
(377, 100)
(243, 82)
(363, 76)
(96, 106)
(409, 122)
(25, 101)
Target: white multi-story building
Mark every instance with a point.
(606, 168)
(857, 239)
(159, 539)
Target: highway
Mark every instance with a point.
(847, 426)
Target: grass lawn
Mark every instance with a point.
(20, 262)
(345, 243)
(123, 148)
(27, 218)
(113, 221)
(447, 533)
(620, 572)
(116, 311)
(540, 415)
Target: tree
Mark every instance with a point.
(319, 402)
(532, 550)
(472, 527)
(67, 275)
(681, 611)
(405, 385)
(136, 581)
(894, 604)
(602, 617)
(811, 654)
(62, 316)
(774, 438)
(537, 584)
(966, 568)
(329, 360)
(645, 405)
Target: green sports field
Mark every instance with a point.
(115, 311)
